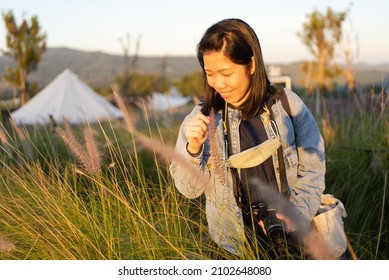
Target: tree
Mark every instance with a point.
(130, 64)
(191, 84)
(321, 34)
(351, 54)
(26, 45)
(162, 83)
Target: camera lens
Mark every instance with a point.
(274, 226)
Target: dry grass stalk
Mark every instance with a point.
(329, 132)
(3, 137)
(5, 142)
(218, 162)
(128, 119)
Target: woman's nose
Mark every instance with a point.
(219, 82)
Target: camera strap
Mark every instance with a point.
(234, 172)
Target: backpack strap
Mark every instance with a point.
(285, 104)
(280, 153)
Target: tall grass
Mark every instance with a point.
(53, 205)
(357, 155)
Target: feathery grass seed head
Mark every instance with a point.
(218, 162)
(6, 246)
(89, 156)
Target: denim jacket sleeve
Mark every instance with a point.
(306, 172)
(186, 182)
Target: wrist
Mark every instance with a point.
(192, 151)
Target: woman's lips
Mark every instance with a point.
(225, 95)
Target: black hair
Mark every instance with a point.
(240, 44)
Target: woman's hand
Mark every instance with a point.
(288, 224)
(196, 133)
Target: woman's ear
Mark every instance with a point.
(252, 66)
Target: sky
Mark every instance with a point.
(174, 27)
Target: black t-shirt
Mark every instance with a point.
(252, 133)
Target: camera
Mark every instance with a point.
(274, 226)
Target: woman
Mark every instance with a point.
(247, 111)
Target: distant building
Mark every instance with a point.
(276, 77)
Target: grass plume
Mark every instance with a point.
(92, 151)
(88, 156)
(218, 162)
(6, 246)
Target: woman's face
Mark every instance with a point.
(230, 80)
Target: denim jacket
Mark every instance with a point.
(303, 151)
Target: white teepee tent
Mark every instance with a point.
(172, 99)
(66, 96)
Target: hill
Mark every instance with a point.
(100, 69)
(367, 75)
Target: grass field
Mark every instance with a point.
(104, 191)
